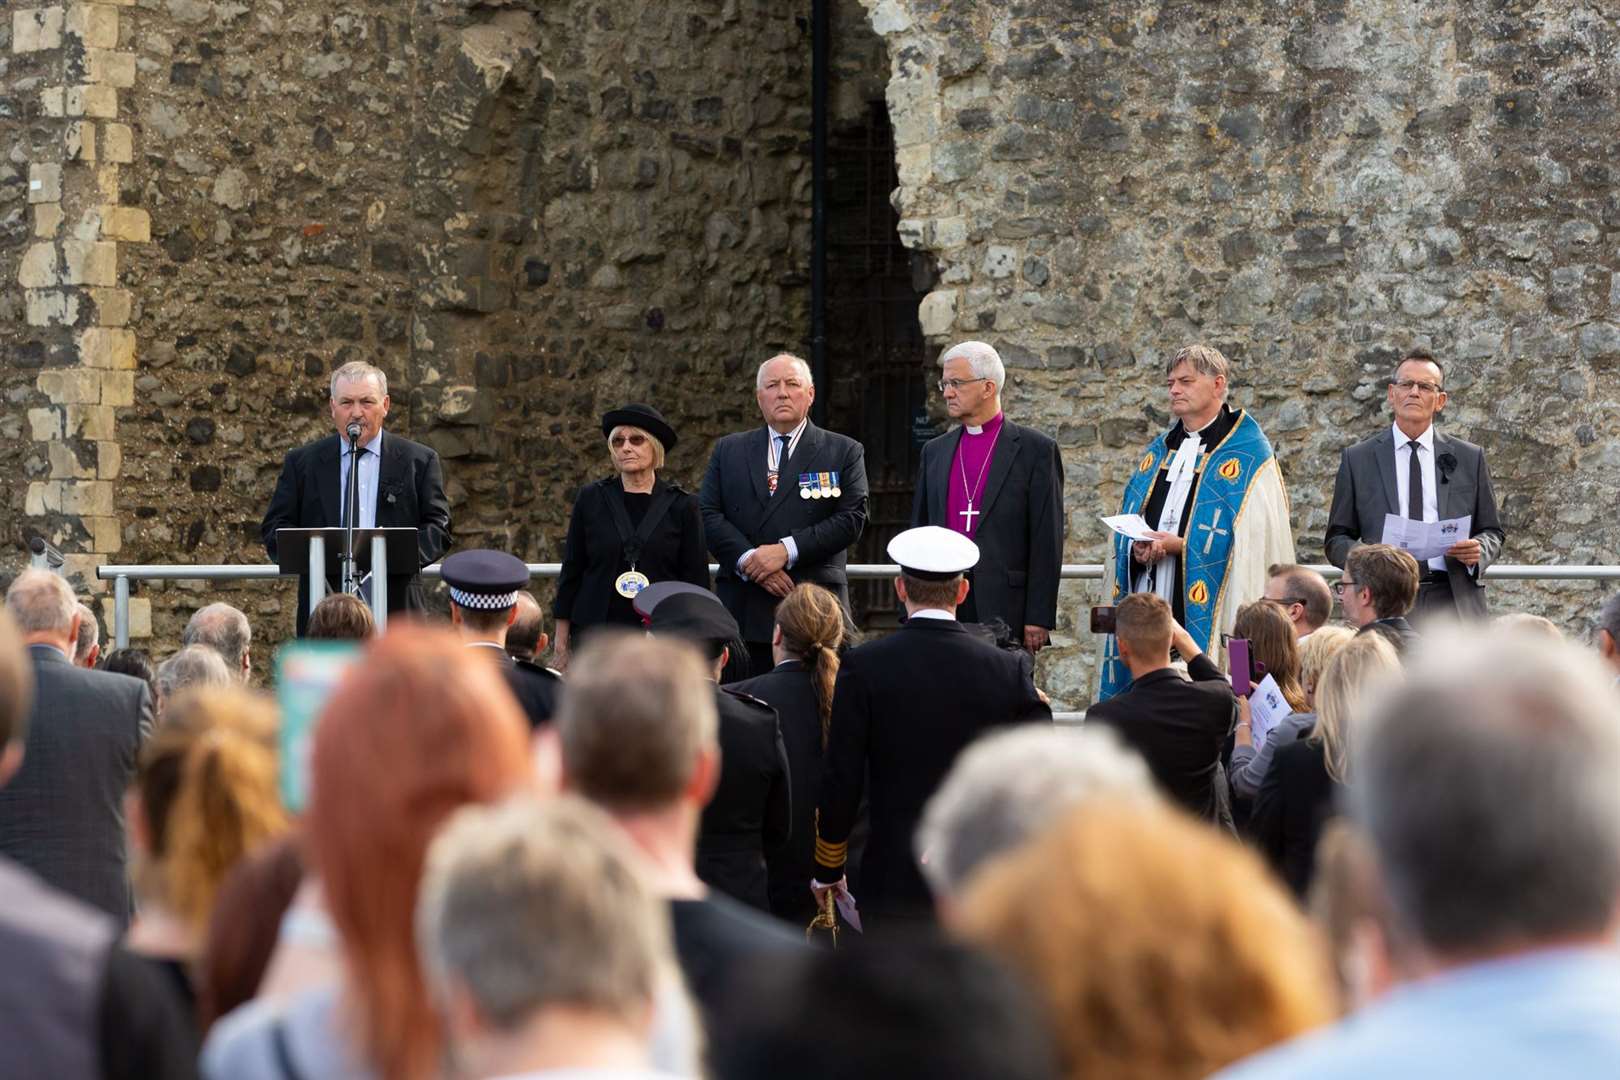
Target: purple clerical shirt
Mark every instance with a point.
(973, 455)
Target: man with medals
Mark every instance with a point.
(781, 504)
(1212, 492)
(484, 587)
(999, 484)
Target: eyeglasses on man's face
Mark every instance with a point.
(1407, 385)
(956, 384)
(1343, 584)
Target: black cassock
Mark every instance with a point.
(905, 706)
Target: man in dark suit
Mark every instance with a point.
(751, 811)
(1379, 587)
(999, 484)
(1413, 471)
(484, 589)
(62, 815)
(904, 707)
(781, 504)
(1178, 723)
(400, 484)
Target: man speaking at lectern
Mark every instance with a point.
(400, 484)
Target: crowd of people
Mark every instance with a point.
(1304, 830)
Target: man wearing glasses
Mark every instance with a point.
(1303, 594)
(999, 484)
(1413, 471)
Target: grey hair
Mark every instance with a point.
(799, 365)
(356, 370)
(983, 361)
(530, 904)
(194, 665)
(1204, 359)
(1008, 786)
(222, 628)
(89, 634)
(41, 601)
(1489, 786)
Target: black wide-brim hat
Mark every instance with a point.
(645, 417)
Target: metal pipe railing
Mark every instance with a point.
(121, 576)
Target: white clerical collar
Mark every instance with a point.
(932, 613)
(1220, 412)
(1425, 440)
(972, 429)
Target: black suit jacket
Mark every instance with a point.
(905, 706)
(1293, 806)
(537, 689)
(740, 513)
(1178, 725)
(751, 812)
(1395, 629)
(62, 815)
(593, 554)
(1365, 490)
(787, 689)
(410, 491)
(1020, 536)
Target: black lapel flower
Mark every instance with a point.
(1447, 464)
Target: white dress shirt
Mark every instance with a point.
(774, 464)
(370, 463)
(1431, 494)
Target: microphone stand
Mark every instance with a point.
(351, 583)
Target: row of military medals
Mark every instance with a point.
(819, 485)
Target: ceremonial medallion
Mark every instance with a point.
(804, 493)
(629, 583)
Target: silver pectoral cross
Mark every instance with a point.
(970, 514)
(1212, 528)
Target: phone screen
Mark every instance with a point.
(1102, 620)
(306, 674)
(1237, 662)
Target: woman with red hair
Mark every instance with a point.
(412, 733)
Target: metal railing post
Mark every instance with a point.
(317, 570)
(379, 583)
(121, 611)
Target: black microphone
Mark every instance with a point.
(353, 431)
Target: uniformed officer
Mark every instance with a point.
(751, 811)
(904, 707)
(484, 587)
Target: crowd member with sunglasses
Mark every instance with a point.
(626, 532)
(1413, 471)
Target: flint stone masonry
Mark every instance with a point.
(1310, 188)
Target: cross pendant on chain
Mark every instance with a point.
(970, 514)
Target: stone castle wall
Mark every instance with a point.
(1312, 188)
(524, 212)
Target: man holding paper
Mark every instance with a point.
(1410, 471)
(1212, 497)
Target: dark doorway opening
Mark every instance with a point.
(877, 358)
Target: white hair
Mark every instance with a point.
(1008, 786)
(982, 359)
(193, 665)
(223, 628)
(89, 634)
(359, 371)
(798, 364)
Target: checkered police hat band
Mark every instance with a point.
(483, 601)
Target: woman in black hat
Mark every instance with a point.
(626, 532)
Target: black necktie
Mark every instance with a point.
(1414, 482)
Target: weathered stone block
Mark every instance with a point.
(97, 101)
(65, 465)
(105, 534)
(937, 312)
(110, 67)
(109, 460)
(36, 29)
(100, 347)
(43, 497)
(87, 497)
(71, 386)
(45, 424)
(118, 388)
(38, 269)
(140, 615)
(94, 24)
(45, 182)
(51, 101)
(90, 421)
(117, 144)
(79, 141)
(90, 262)
(52, 307)
(112, 306)
(47, 219)
(128, 223)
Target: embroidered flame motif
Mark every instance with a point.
(1198, 594)
(1147, 463)
(1231, 470)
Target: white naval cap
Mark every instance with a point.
(933, 553)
